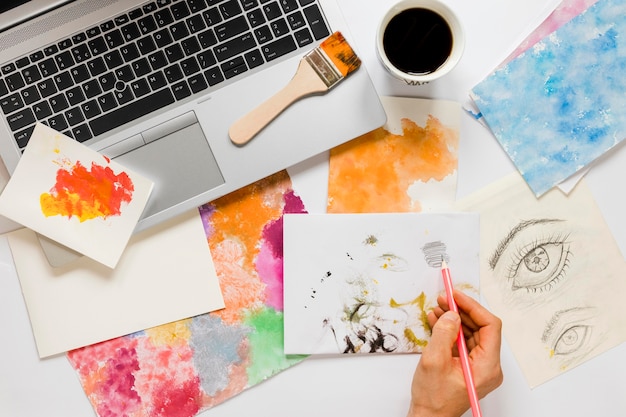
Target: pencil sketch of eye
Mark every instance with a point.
(534, 256)
(569, 335)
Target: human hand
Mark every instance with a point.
(438, 388)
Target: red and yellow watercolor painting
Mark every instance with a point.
(374, 172)
(87, 193)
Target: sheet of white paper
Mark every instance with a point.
(6, 225)
(551, 270)
(75, 196)
(365, 282)
(165, 274)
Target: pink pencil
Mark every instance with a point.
(460, 343)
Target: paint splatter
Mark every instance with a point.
(375, 171)
(87, 193)
(182, 368)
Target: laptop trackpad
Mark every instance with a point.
(180, 163)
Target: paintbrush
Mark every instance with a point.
(319, 71)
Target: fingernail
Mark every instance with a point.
(450, 316)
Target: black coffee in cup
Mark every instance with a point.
(417, 41)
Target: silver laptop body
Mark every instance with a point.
(183, 146)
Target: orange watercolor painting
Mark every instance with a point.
(374, 172)
(86, 193)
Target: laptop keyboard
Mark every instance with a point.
(148, 58)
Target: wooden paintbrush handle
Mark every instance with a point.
(304, 82)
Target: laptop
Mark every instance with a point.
(156, 85)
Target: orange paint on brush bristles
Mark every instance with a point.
(340, 53)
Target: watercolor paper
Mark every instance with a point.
(364, 283)
(75, 196)
(410, 164)
(559, 106)
(165, 274)
(188, 366)
(551, 270)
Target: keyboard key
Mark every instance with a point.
(140, 87)
(135, 14)
(279, 27)
(15, 81)
(190, 46)
(206, 59)
(255, 18)
(50, 50)
(80, 73)
(180, 10)
(288, 5)
(207, 39)
(3, 88)
(78, 38)
(303, 37)
(64, 60)
(124, 96)
(30, 95)
(75, 95)
(42, 110)
(22, 62)
(31, 74)
(58, 122)
(124, 74)
(36, 56)
(196, 24)
(272, 10)
(141, 67)
(150, 7)
(107, 81)
(181, 90)
(22, 137)
(163, 38)
(249, 4)
(92, 32)
(91, 88)
(189, 66)
(196, 5)
(146, 45)
(46, 87)
(113, 59)
(212, 16)
(157, 80)
(230, 8)
(81, 133)
(64, 44)
(278, 48)
(231, 28)
(234, 47)
(296, 21)
(157, 60)
(147, 24)
(141, 107)
(8, 68)
(21, 119)
(74, 116)
(213, 76)
(106, 26)
(316, 22)
(163, 17)
(48, 67)
(179, 31)
(96, 66)
(121, 20)
(129, 52)
(173, 73)
(63, 80)
(58, 103)
(107, 102)
(114, 39)
(174, 53)
(90, 109)
(81, 53)
(11, 103)
(254, 58)
(263, 34)
(197, 83)
(97, 46)
(163, 3)
(130, 31)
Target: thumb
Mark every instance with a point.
(444, 334)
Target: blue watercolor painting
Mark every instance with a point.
(562, 104)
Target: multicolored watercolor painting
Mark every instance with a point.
(185, 367)
(75, 196)
(559, 106)
(364, 283)
(410, 164)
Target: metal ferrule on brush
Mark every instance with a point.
(325, 68)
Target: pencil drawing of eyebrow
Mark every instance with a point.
(504, 243)
(568, 331)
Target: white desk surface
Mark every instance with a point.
(365, 386)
